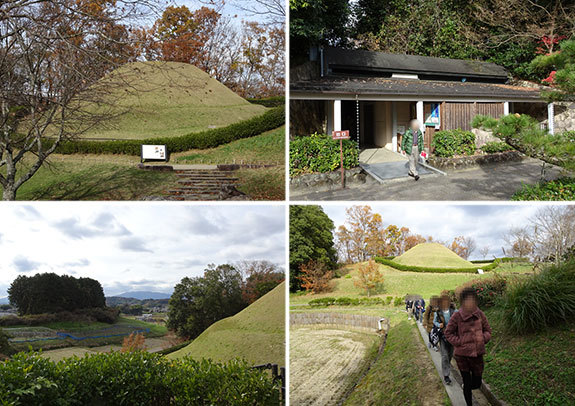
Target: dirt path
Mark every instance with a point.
(324, 364)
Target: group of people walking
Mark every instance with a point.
(461, 333)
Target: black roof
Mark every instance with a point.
(416, 88)
(364, 62)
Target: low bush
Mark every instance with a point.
(542, 300)
(480, 121)
(489, 290)
(410, 268)
(354, 301)
(174, 348)
(5, 348)
(558, 189)
(273, 101)
(270, 120)
(398, 301)
(320, 153)
(449, 143)
(132, 378)
(494, 147)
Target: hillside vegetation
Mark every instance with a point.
(152, 99)
(256, 334)
(432, 255)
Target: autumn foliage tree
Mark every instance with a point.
(134, 342)
(315, 277)
(463, 246)
(369, 277)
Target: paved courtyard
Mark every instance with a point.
(490, 182)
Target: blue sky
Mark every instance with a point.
(135, 246)
(486, 223)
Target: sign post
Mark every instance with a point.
(341, 135)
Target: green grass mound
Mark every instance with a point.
(256, 334)
(432, 255)
(165, 99)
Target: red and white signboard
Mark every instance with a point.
(340, 135)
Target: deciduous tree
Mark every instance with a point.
(369, 277)
(315, 277)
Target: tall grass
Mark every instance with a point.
(541, 300)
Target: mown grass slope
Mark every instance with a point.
(256, 334)
(151, 99)
(432, 255)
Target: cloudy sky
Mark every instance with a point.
(485, 223)
(135, 247)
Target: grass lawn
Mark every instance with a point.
(93, 177)
(256, 334)
(404, 374)
(266, 148)
(263, 183)
(400, 283)
(531, 369)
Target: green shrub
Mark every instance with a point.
(542, 300)
(5, 348)
(558, 189)
(494, 147)
(481, 121)
(133, 378)
(350, 301)
(449, 143)
(174, 348)
(319, 153)
(273, 101)
(489, 290)
(398, 301)
(410, 268)
(270, 120)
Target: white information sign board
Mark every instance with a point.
(154, 152)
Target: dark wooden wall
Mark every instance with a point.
(459, 115)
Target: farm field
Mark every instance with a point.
(121, 328)
(400, 283)
(325, 363)
(256, 334)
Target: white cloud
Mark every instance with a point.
(132, 246)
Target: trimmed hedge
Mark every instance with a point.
(133, 378)
(319, 153)
(500, 260)
(273, 101)
(401, 267)
(270, 120)
(353, 301)
(174, 348)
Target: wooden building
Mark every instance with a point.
(375, 95)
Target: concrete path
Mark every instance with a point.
(489, 182)
(454, 391)
(379, 155)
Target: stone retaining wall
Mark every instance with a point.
(564, 117)
(475, 160)
(356, 321)
(328, 181)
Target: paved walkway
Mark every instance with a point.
(454, 391)
(379, 155)
(489, 182)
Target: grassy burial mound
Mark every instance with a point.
(256, 334)
(163, 99)
(432, 257)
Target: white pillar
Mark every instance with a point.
(551, 118)
(394, 126)
(419, 111)
(337, 115)
(506, 108)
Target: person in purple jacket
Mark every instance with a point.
(468, 331)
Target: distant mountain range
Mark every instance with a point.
(4, 300)
(143, 295)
